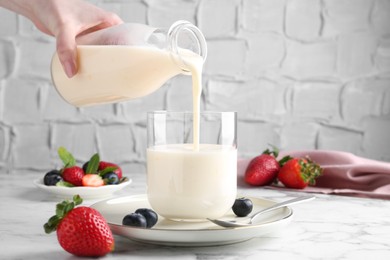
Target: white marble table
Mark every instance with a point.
(330, 227)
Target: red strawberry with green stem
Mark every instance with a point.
(70, 172)
(263, 169)
(81, 231)
(73, 175)
(298, 173)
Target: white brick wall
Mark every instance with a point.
(303, 19)
(343, 16)
(302, 74)
(221, 23)
(263, 15)
(310, 60)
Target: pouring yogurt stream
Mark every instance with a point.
(113, 73)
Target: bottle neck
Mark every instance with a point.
(185, 35)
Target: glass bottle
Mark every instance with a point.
(128, 61)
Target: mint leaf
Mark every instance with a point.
(93, 164)
(66, 157)
(64, 184)
(107, 170)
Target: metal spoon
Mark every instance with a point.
(234, 223)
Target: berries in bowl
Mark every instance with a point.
(94, 179)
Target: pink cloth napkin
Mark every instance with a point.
(344, 174)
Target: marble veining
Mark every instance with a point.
(330, 227)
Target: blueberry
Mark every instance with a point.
(150, 216)
(242, 207)
(111, 178)
(135, 220)
(52, 177)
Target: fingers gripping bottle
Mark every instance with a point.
(128, 61)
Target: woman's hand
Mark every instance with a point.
(65, 20)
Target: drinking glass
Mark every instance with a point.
(186, 180)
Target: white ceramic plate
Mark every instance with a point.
(84, 192)
(174, 233)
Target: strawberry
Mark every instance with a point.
(73, 175)
(103, 165)
(298, 173)
(81, 231)
(70, 172)
(263, 169)
(92, 180)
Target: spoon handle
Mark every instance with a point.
(282, 204)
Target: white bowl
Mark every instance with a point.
(84, 192)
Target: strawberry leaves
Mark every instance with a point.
(274, 152)
(309, 170)
(62, 209)
(284, 160)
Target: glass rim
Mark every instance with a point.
(189, 112)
